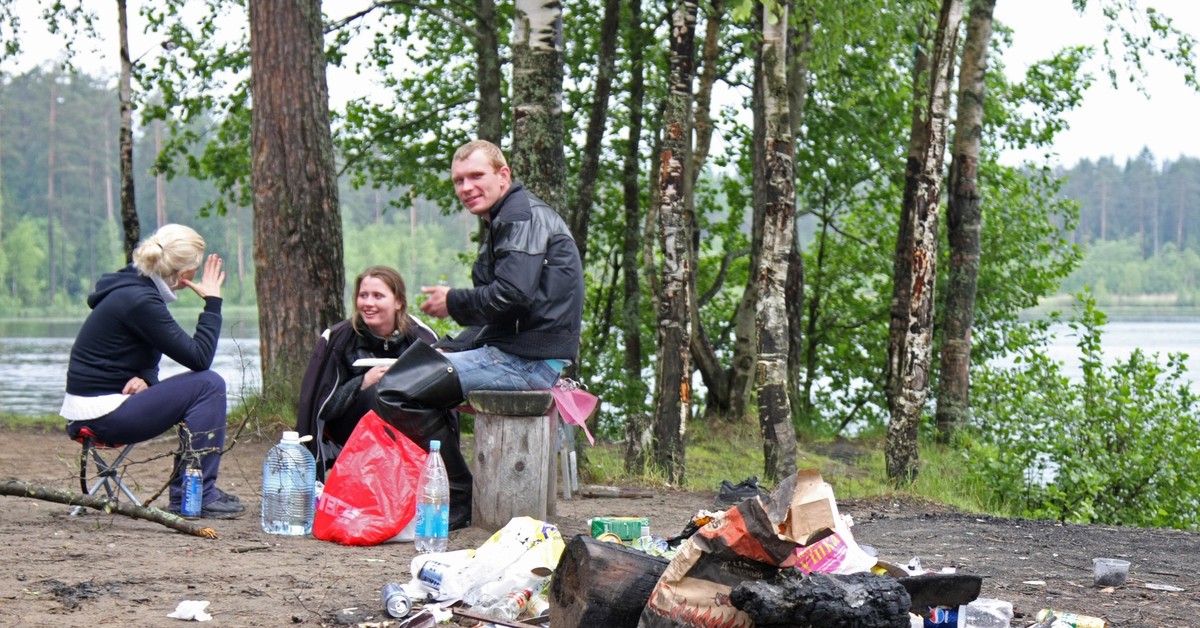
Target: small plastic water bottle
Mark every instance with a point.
(289, 484)
(509, 607)
(432, 528)
(193, 492)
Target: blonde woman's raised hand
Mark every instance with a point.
(211, 280)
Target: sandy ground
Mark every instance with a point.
(99, 569)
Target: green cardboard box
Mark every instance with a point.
(627, 528)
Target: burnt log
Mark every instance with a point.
(799, 600)
(602, 584)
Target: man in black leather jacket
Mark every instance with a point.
(524, 313)
(522, 316)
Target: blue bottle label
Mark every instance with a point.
(193, 493)
(433, 521)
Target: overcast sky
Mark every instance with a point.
(1110, 123)
(1115, 123)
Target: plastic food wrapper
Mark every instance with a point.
(833, 554)
(746, 542)
(521, 545)
(191, 610)
(370, 495)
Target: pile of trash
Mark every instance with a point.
(787, 558)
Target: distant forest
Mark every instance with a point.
(60, 226)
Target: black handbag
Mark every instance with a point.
(420, 379)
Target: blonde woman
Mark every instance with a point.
(112, 378)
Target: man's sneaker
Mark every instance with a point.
(225, 506)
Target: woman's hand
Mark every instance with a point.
(211, 281)
(372, 377)
(134, 386)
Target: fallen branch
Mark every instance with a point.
(595, 490)
(16, 488)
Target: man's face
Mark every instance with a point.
(478, 184)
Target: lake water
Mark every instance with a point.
(33, 356)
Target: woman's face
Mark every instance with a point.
(377, 305)
(182, 278)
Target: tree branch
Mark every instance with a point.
(17, 488)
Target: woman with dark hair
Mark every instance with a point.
(346, 365)
(112, 377)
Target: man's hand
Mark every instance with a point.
(134, 386)
(435, 305)
(212, 280)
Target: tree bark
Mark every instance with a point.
(537, 154)
(589, 167)
(910, 337)
(798, 58)
(673, 391)
(51, 194)
(637, 422)
(297, 225)
(17, 488)
(129, 216)
(963, 221)
(487, 62)
(771, 274)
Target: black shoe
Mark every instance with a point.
(733, 494)
(225, 506)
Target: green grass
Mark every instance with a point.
(855, 468)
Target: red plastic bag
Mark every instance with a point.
(371, 492)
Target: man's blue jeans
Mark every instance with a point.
(488, 368)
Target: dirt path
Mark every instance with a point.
(98, 569)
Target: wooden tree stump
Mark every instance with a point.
(514, 471)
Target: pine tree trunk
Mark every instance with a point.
(537, 155)
(589, 167)
(910, 338)
(298, 255)
(673, 393)
(129, 216)
(963, 221)
(637, 423)
(779, 219)
(487, 63)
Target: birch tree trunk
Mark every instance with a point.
(590, 160)
(963, 221)
(673, 390)
(129, 216)
(637, 423)
(910, 338)
(51, 193)
(537, 153)
(298, 259)
(779, 220)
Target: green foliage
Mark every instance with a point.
(1122, 446)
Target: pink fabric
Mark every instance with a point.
(574, 405)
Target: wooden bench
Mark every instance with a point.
(514, 472)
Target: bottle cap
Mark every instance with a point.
(291, 437)
(435, 445)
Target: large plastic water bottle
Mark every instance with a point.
(433, 503)
(289, 486)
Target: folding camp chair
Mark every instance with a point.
(108, 472)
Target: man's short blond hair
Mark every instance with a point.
(489, 150)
